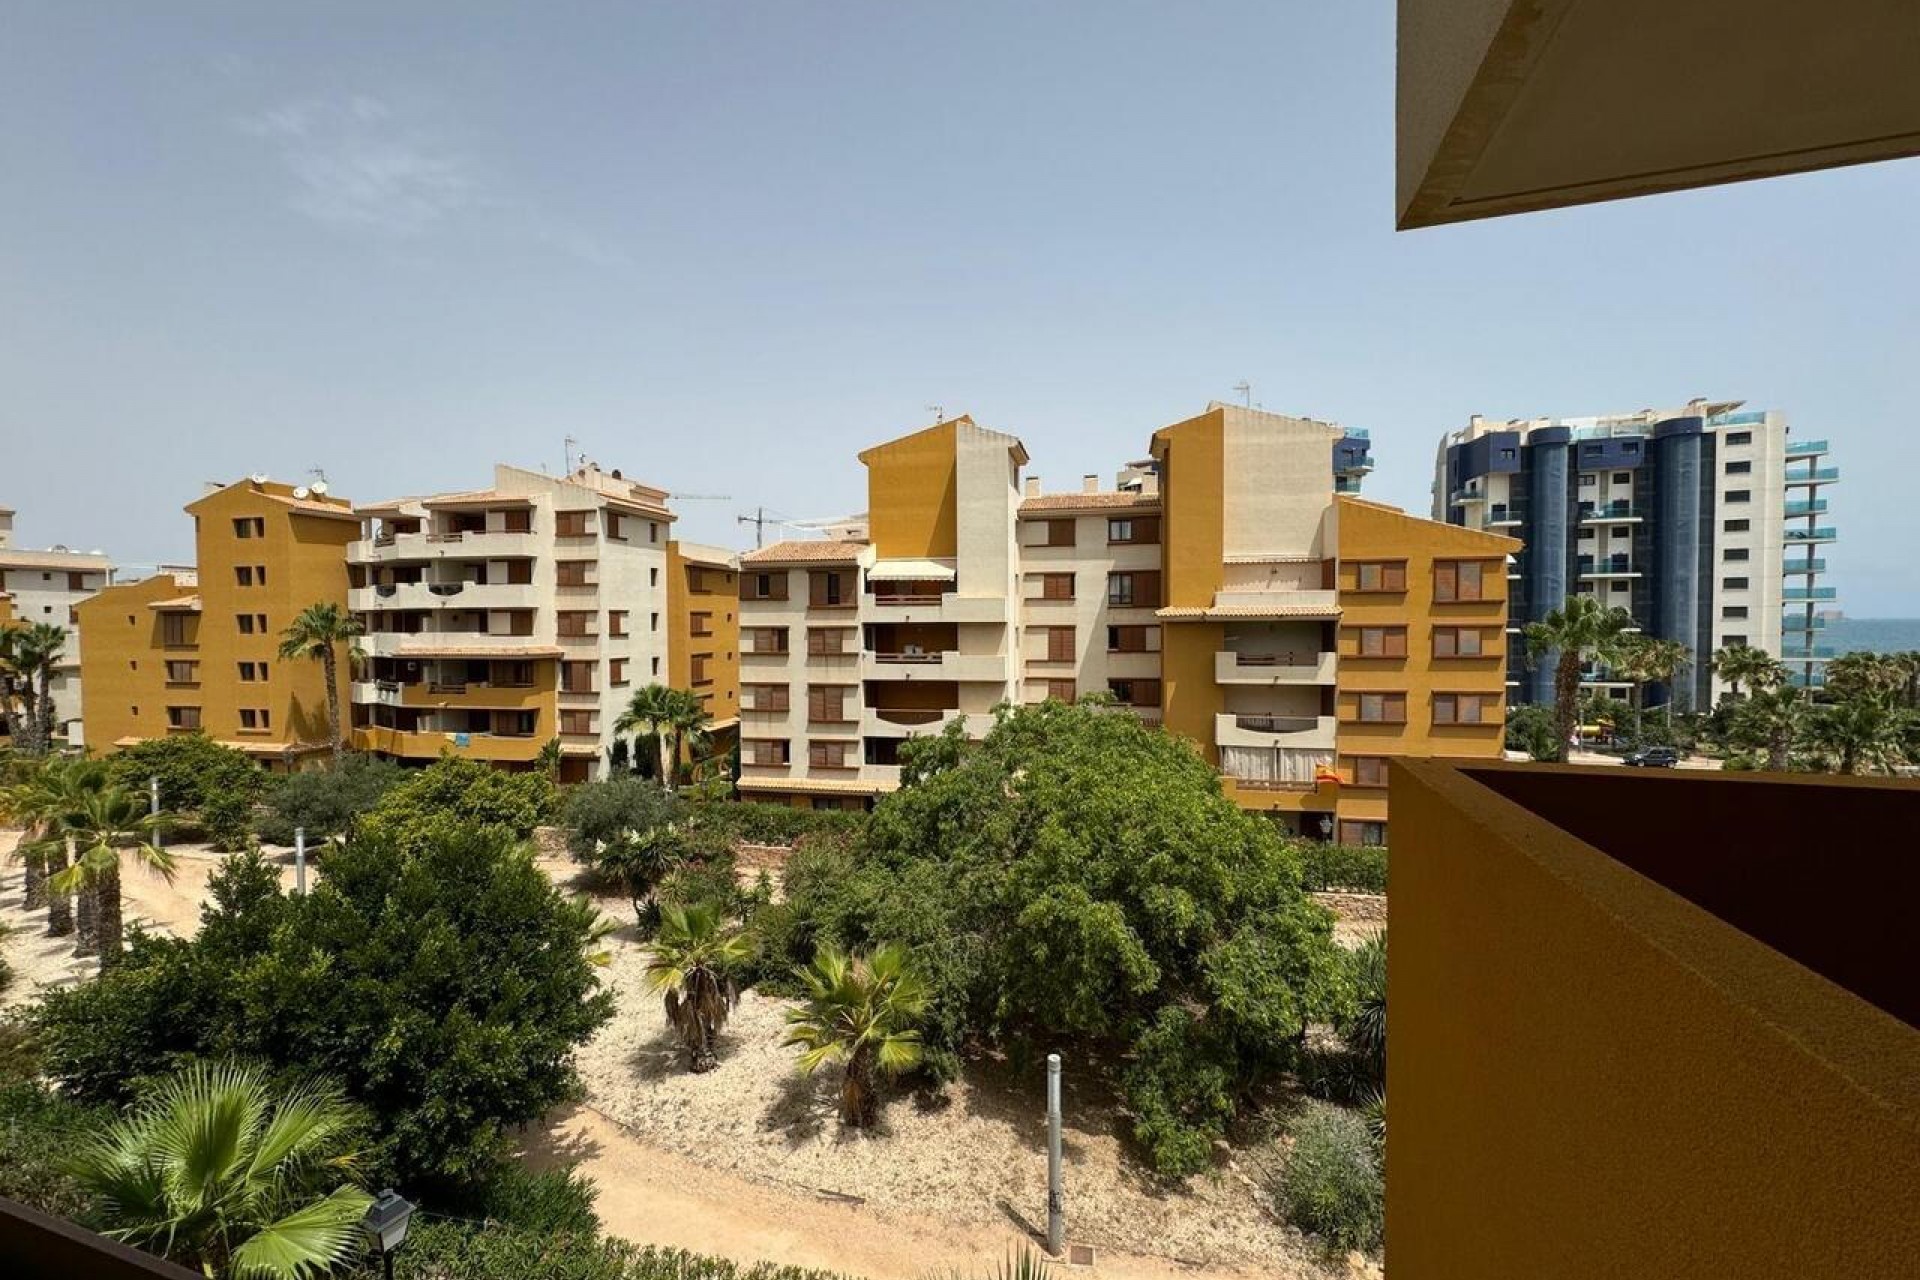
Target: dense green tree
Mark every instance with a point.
(216, 785)
(692, 967)
(862, 1013)
(318, 632)
(1073, 877)
(216, 1170)
(1530, 729)
(454, 793)
(1365, 1026)
(630, 830)
(327, 802)
(1581, 630)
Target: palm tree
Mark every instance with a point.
(692, 967)
(1581, 630)
(1661, 661)
(688, 722)
(1744, 664)
(1864, 674)
(45, 790)
(19, 785)
(859, 1012)
(1771, 720)
(318, 633)
(28, 656)
(214, 1171)
(99, 824)
(1864, 729)
(650, 711)
(12, 680)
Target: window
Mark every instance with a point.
(1119, 531)
(1141, 589)
(700, 624)
(769, 751)
(1056, 586)
(1457, 580)
(1062, 690)
(1378, 642)
(185, 719)
(1371, 834)
(1734, 611)
(763, 586)
(572, 721)
(243, 575)
(183, 673)
(1464, 708)
(653, 622)
(656, 666)
(517, 520)
(1733, 584)
(822, 641)
(1735, 526)
(1620, 535)
(573, 622)
(1060, 646)
(76, 581)
(617, 672)
(697, 668)
(653, 576)
(1380, 575)
(653, 531)
(1369, 771)
(1119, 588)
(1739, 437)
(1739, 468)
(571, 573)
(1735, 553)
(1585, 535)
(1623, 477)
(828, 589)
(617, 622)
(1381, 708)
(1135, 693)
(1060, 533)
(614, 527)
(572, 524)
(765, 697)
(250, 527)
(766, 639)
(173, 630)
(1739, 495)
(252, 624)
(1134, 530)
(827, 704)
(254, 720)
(1734, 642)
(576, 677)
(1458, 642)
(1132, 639)
(1588, 480)
(828, 755)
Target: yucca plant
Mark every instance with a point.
(859, 1012)
(212, 1170)
(1027, 1264)
(692, 966)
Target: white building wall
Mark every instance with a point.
(42, 592)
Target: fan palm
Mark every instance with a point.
(45, 790)
(1581, 630)
(29, 654)
(1658, 660)
(19, 785)
(1863, 730)
(860, 1012)
(100, 823)
(12, 681)
(692, 966)
(688, 722)
(1860, 674)
(317, 633)
(212, 1170)
(1743, 664)
(650, 711)
(1773, 721)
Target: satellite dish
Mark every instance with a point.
(300, 492)
(320, 488)
(258, 477)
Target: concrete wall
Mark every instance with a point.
(1594, 1075)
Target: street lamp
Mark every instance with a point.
(386, 1223)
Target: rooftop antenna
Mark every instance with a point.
(566, 448)
(759, 520)
(1245, 389)
(319, 474)
(939, 412)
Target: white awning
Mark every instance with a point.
(910, 571)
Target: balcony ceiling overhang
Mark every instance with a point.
(1506, 106)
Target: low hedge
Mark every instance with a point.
(1343, 868)
(446, 1250)
(750, 822)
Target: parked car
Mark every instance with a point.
(1653, 758)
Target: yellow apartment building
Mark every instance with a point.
(179, 654)
(703, 651)
(1300, 637)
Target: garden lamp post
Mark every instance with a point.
(386, 1225)
(153, 805)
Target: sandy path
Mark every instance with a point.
(656, 1197)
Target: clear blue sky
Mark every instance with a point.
(727, 245)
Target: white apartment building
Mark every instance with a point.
(44, 586)
(500, 619)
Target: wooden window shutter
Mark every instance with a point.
(1056, 586)
(1146, 693)
(1446, 581)
(1061, 690)
(1396, 708)
(1446, 642)
(1060, 533)
(1394, 576)
(1469, 571)
(1060, 644)
(1146, 529)
(816, 589)
(1373, 642)
(519, 520)
(1146, 589)
(1396, 642)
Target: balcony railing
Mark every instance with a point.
(908, 657)
(1276, 724)
(447, 589)
(1588, 566)
(1806, 652)
(907, 597)
(446, 686)
(1803, 622)
(1807, 594)
(905, 715)
(1816, 565)
(1815, 507)
(1825, 533)
(1289, 659)
(1619, 509)
(1813, 475)
(1805, 448)
(446, 537)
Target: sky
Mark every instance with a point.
(725, 246)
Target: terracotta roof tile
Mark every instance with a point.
(1104, 501)
(806, 551)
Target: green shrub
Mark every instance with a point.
(553, 1201)
(1342, 867)
(457, 1251)
(601, 813)
(39, 1131)
(326, 802)
(215, 785)
(454, 793)
(1530, 729)
(1365, 1026)
(1332, 1185)
(754, 823)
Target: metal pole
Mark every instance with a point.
(153, 805)
(387, 1258)
(300, 861)
(1056, 1201)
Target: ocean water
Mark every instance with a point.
(1874, 635)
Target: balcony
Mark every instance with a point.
(459, 644)
(1814, 475)
(1305, 667)
(1805, 448)
(945, 607)
(1803, 622)
(1281, 602)
(1464, 497)
(1806, 653)
(1811, 507)
(1825, 533)
(1616, 512)
(444, 595)
(1807, 679)
(1815, 565)
(1312, 733)
(988, 667)
(903, 722)
(1807, 595)
(1610, 567)
(419, 745)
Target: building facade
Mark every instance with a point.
(502, 619)
(184, 653)
(1208, 591)
(48, 586)
(703, 650)
(1706, 523)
